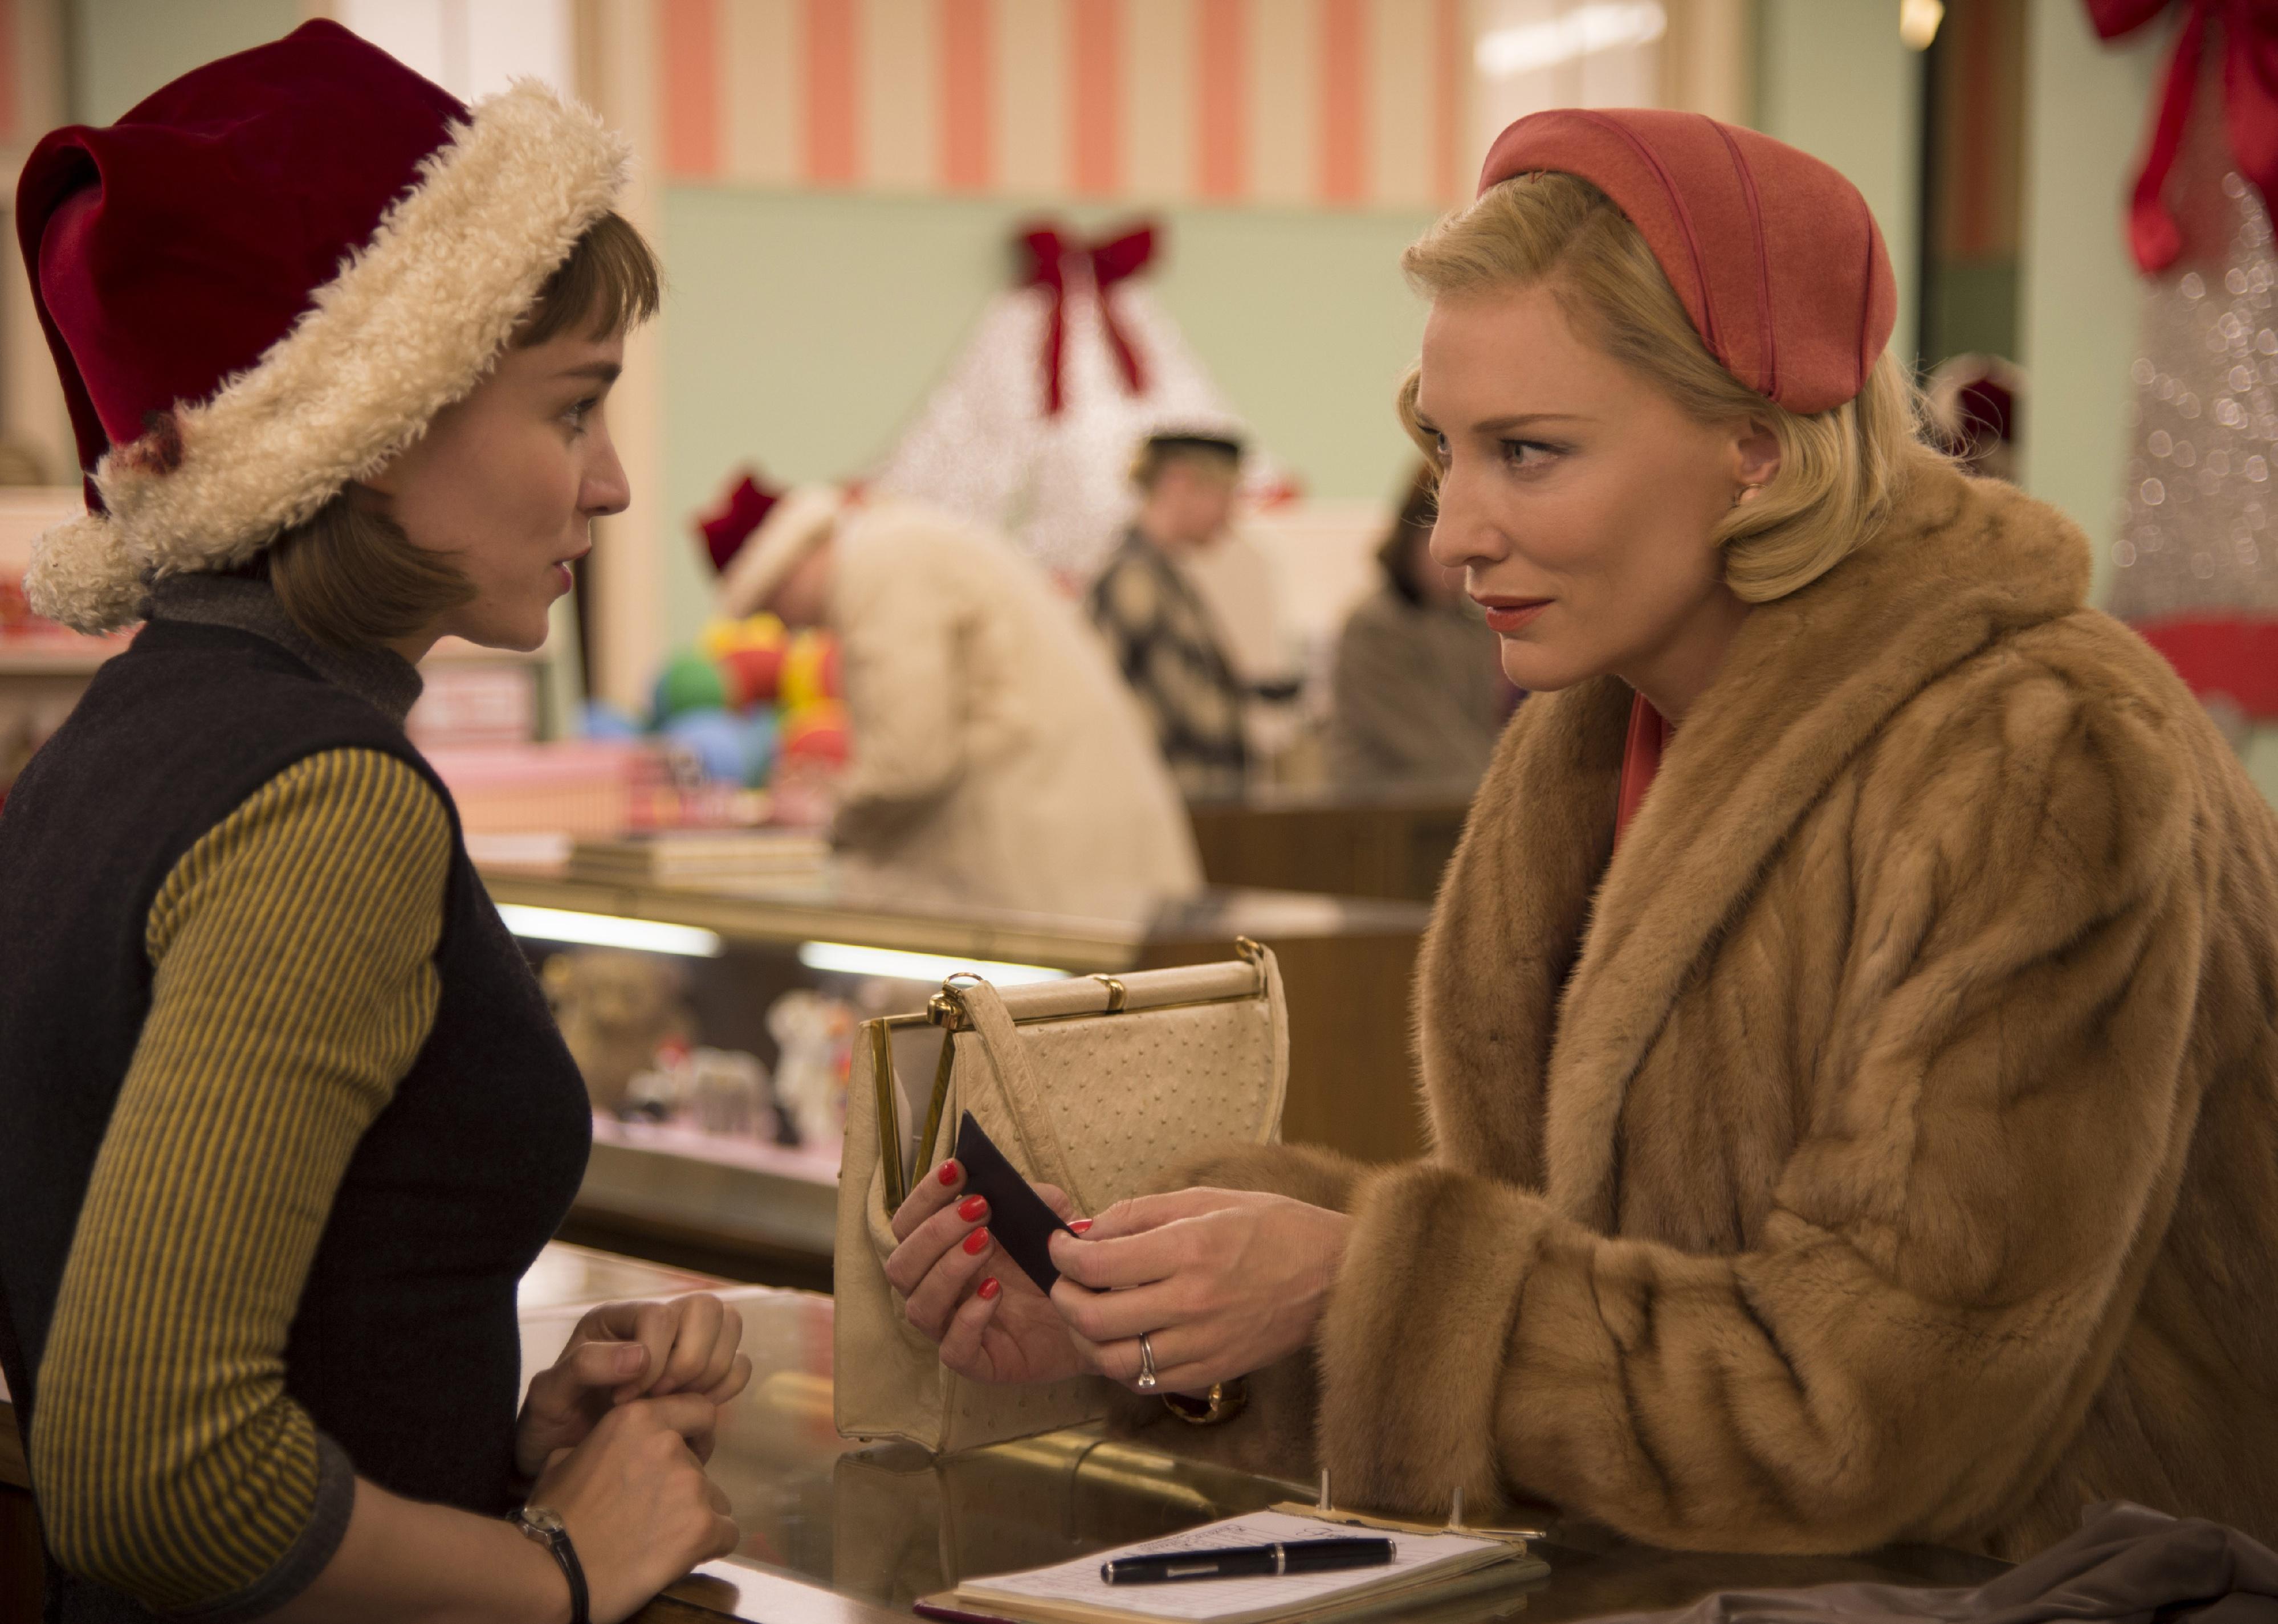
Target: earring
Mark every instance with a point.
(1746, 493)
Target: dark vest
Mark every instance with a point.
(405, 1347)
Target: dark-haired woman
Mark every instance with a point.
(288, 1117)
(1417, 696)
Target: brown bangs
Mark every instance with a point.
(610, 283)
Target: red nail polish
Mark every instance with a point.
(972, 1208)
(976, 1243)
(1080, 1224)
(989, 1289)
(949, 1171)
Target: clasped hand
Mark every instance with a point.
(616, 1432)
(1222, 1283)
(624, 1351)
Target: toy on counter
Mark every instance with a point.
(752, 697)
(815, 1036)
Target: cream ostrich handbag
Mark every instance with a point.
(1100, 1085)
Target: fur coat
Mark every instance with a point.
(997, 758)
(1881, 1145)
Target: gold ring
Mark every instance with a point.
(1146, 1364)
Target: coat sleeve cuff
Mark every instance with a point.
(1415, 1342)
(308, 1555)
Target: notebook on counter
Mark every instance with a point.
(1429, 1565)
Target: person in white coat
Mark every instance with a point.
(996, 756)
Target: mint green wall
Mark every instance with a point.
(803, 329)
(118, 52)
(1833, 78)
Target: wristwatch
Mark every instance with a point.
(544, 1525)
(1223, 1402)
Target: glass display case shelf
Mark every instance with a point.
(771, 910)
(733, 1204)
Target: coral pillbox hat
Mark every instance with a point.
(264, 281)
(1775, 255)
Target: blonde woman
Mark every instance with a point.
(1846, 1031)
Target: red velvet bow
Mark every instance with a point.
(1110, 262)
(2250, 92)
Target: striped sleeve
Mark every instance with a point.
(294, 949)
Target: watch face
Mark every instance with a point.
(543, 1519)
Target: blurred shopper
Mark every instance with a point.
(286, 1118)
(1847, 1024)
(1417, 696)
(1974, 402)
(997, 760)
(1160, 632)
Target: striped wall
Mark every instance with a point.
(1325, 102)
(32, 102)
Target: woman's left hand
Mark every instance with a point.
(1222, 1282)
(623, 1351)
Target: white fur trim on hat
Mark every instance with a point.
(792, 527)
(410, 324)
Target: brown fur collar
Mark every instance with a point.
(1811, 678)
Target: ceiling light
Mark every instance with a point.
(1918, 22)
(1528, 48)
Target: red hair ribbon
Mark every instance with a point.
(2250, 90)
(1110, 260)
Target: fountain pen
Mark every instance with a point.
(1296, 1556)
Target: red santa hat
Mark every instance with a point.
(758, 534)
(263, 282)
(1776, 255)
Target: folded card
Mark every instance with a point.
(1017, 1216)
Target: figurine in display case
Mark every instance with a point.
(617, 1009)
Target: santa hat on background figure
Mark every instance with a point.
(1974, 402)
(758, 534)
(263, 282)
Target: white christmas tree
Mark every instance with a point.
(987, 445)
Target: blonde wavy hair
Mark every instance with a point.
(1840, 470)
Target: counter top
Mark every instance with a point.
(839, 1533)
(877, 1526)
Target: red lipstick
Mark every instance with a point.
(1506, 615)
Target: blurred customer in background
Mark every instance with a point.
(1417, 695)
(996, 758)
(1160, 632)
(1974, 402)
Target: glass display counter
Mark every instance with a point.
(1390, 841)
(837, 1532)
(749, 966)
